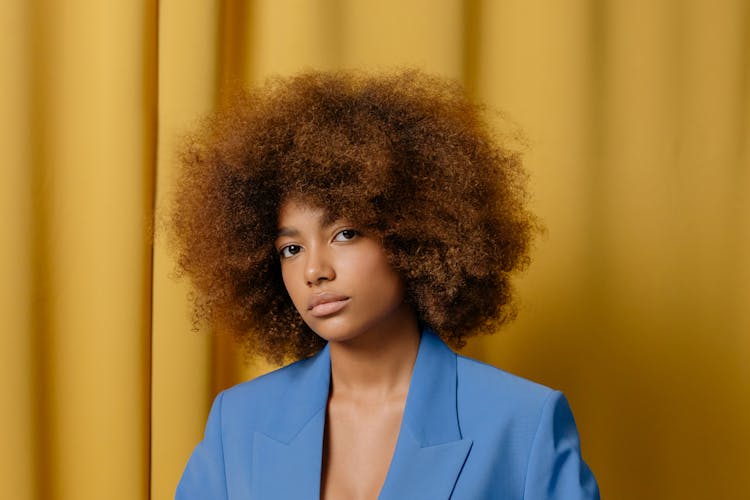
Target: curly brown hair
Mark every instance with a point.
(407, 156)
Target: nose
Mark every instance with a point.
(318, 267)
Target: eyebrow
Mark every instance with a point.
(287, 231)
(292, 232)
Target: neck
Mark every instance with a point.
(377, 364)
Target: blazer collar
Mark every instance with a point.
(429, 454)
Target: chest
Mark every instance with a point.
(358, 446)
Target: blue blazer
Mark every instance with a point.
(469, 432)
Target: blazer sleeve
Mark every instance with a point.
(556, 470)
(204, 475)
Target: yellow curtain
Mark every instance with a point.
(78, 142)
(637, 305)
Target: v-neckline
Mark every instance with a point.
(325, 449)
(429, 454)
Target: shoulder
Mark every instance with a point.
(263, 394)
(477, 377)
(524, 428)
(484, 389)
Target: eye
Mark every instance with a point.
(346, 235)
(289, 251)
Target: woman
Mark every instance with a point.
(357, 224)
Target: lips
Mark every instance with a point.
(325, 304)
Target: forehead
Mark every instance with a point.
(297, 212)
(295, 208)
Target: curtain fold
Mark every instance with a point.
(78, 257)
(189, 34)
(637, 137)
(19, 429)
(94, 196)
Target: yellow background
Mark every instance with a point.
(637, 305)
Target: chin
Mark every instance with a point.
(336, 335)
(336, 331)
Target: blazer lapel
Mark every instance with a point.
(430, 451)
(429, 454)
(287, 454)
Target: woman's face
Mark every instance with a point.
(338, 277)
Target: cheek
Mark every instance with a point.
(285, 277)
(381, 279)
(290, 284)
